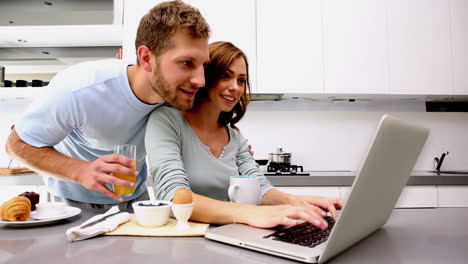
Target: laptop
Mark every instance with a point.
(383, 175)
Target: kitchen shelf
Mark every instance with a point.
(341, 97)
(8, 93)
(61, 36)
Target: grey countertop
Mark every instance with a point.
(408, 237)
(346, 178)
(316, 178)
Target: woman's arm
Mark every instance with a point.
(275, 196)
(212, 211)
(163, 143)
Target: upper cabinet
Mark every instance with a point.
(232, 21)
(26, 24)
(355, 47)
(41, 38)
(289, 46)
(459, 23)
(420, 59)
(417, 47)
(61, 36)
(133, 11)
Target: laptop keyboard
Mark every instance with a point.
(304, 234)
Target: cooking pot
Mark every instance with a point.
(280, 157)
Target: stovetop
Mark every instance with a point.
(284, 173)
(282, 169)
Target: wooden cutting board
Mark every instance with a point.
(131, 228)
(10, 171)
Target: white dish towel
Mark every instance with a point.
(111, 223)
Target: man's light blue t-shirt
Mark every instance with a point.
(88, 109)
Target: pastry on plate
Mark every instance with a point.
(16, 209)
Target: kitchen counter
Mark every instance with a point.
(316, 178)
(346, 178)
(407, 238)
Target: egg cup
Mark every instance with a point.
(182, 213)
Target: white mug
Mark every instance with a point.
(244, 189)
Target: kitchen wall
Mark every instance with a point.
(10, 111)
(322, 135)
(336, 135)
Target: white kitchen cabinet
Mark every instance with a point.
(419, 47)
(61, 36)
(232, 21)
(289, 46)
(133, 11)
(428, 196)
(411, 196)
(327, 191)
(459, 31)
(355, 47)
(453, 196)
(418, 197)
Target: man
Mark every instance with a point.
(69, 136)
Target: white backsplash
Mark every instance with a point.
(330, 139)
(320, 136)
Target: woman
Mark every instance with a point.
(200, 148)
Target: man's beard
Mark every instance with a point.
(168, 93)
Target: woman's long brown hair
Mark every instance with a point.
(222, 54)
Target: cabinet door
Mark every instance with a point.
(232, 21)
(355, 47)
(419, 47)
(134, 10)
(326, 191)
(459, 30)
(411, 196)
(289, 46)
(418, 197)
(453, 196)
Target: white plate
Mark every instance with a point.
(70, 211)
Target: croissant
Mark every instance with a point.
(16, 209)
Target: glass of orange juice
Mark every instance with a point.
(128, 151)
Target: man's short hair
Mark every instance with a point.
(165, 19)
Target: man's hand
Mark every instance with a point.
(92, 175)
(96, 174)
(250, 149)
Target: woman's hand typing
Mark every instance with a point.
(272, 215)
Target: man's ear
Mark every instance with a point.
(144, 57)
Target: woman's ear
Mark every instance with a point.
(145, 56)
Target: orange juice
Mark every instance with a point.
(125, 191)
